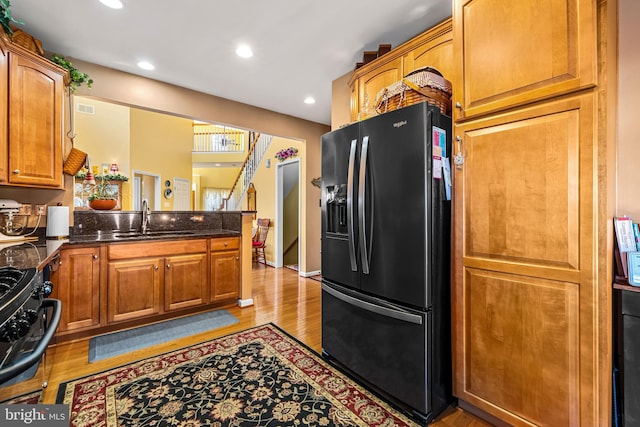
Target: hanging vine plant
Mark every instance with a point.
(76, 77)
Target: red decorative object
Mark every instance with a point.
(103, 204)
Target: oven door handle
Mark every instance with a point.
(23, 364)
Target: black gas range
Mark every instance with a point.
(28, 319)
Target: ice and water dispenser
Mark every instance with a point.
(337, 209)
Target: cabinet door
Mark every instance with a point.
(4, 119)
(78, 288)
(433, 49)
(373, 82)
(134, 289)
(225, 275)
(185, 281)
(513, 52)
(525, 293)
(35, 123)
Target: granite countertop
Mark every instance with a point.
(120, 227)
(30, 254)
(38, 253)
(132, 236)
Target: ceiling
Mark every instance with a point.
(299, 47)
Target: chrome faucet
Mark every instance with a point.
(145, 216)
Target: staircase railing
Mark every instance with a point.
(259, 145)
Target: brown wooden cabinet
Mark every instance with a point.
(185, 281)
(225, 268)
(109, 284)
(134, 289)
(32, 116)
(4, 114)
(170, 276)
(77, 285)
(525, 56)
(433, 48)
(531, 298)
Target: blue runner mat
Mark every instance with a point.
(116, 343)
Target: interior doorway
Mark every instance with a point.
(145, 186)
(287, 250)
(181, 194)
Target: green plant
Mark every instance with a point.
(77, 78)
(5, 17)
(110, 176)
(103, 190)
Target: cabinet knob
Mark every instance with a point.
(168, 265)
(226, 244)
(155, 267)
(16, 171)
(237, 258)
(95, 256)
(458, 106)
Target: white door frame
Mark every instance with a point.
(156, 189)
(279, 213)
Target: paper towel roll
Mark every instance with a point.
(57, 221)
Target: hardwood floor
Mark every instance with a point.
(280, 297)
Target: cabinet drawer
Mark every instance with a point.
(225, 243)
(154, 249)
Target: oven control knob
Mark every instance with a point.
(22, 327)
(30, 315)
(9, 332)
(47, 288)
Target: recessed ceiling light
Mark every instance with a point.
(244, 51)
(146, 65)
(113, 4)
(309, 100)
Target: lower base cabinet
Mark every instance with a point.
(185, 281)
(133, 289)
(225, 268)
(109, 284)
(77, 284)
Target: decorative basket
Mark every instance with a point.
(27, 41)
(423, 84)
(74, 161)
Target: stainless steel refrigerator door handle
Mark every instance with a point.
(352, 240)
(374, 308)
(361, 204)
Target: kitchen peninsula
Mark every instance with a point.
(110, 276)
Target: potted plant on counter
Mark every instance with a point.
(103, 196)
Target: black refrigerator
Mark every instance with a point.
(386, 219)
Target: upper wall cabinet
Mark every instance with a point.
(499, 64)
(433, 48)
(31, 114)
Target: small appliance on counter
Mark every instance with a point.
(13, 224)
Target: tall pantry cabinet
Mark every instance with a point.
(532, 208)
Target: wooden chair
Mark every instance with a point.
(259, 240)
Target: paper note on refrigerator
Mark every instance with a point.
(437, 167)
(446, 173)
(439, 142)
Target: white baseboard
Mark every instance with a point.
(309, 273)
(245, 302)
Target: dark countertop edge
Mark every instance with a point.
(109, 238)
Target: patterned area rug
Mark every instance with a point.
(258, 377)
(30, 398)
